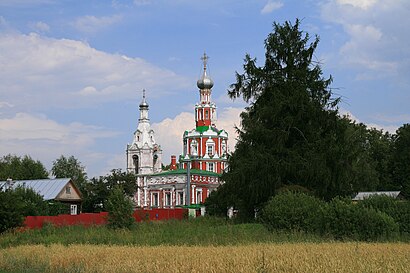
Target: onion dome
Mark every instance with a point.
(205, 82)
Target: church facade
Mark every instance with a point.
(197, 172)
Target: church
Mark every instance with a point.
(191, 179)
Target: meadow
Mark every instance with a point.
(200, 245)
(288, 257)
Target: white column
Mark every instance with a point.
(145, 191)
(193, 194)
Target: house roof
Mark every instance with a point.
(48, 188)
(367, 194)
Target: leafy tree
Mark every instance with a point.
(97, 190)
(34, 204)
(71, 168)
(401, 159)
(291, 131)
(21, 168)
(120, 209)
(11, 210)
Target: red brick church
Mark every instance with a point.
(197, 172)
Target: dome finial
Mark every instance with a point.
(204, 59)
(143, 103)
(205, 82)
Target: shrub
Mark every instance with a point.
(11, 210)
(399, 210)
(120, 210)
(293, 211)
(345, 219)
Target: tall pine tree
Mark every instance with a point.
(291, 134)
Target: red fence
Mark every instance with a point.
(88, 219)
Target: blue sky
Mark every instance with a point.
(72, 72)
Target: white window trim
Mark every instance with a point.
(152, 199)
(208, 166)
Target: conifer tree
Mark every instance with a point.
(291, 132)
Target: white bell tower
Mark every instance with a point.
(144, 155)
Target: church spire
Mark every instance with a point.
(144, 108)
(205, 82)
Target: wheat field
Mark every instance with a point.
(298, 257)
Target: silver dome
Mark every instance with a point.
(205, 82)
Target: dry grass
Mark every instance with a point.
(299, 257)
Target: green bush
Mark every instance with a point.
(120, 210)
(294, 211)
(11, 210)
(340, 218)
(399, 210)
(346, 220)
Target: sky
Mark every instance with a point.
(72, 72)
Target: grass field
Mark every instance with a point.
(297, 257)
(198, 232)
(200, 245)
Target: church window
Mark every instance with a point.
(206, 114)
(168, 199)
(194, 147)
(210, 166)
(210, 150)
(180, 198)
(154, 199)
(199, 196)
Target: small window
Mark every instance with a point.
(211, 167)
(154, 200)
(210, 150)
(199, 197)
(73, 209)
(68, 190)
(206, 114)
(180, 199)
(168, 199)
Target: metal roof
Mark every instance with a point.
(48, 188)
(367, 194)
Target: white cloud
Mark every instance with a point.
(91, 23)
(271, 6)
(46, 139)
(39, 27)
(377, 46)
(169, 132)
(363, 4)
(71, 73)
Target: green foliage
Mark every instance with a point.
(21, 168)
(340, 218)
(96, 191)
(401, 159)
(70, 167)
(294, 211)
(33, 203)
(399, 210)
(120, 209)
(11, 210)
(291, 131)
(345, 219)
(205, 231)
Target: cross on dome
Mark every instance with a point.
(204, 59)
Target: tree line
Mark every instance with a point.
(95, 191)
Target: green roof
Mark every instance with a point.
(183, 171)
(202, 129)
